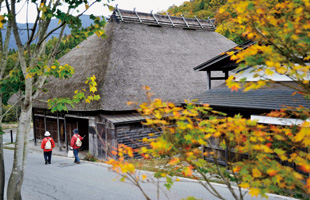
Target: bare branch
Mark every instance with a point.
(17, 38)
(51, 59)
(139, 186)
(55, 29)
(34, 27)
(45, 28)
(87, 9)
(221, 174)
(5, 49)
(7, 6)
(63, 23)
(1, 118)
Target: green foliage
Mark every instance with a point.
(90, 158)
(11, 115)
(205, 9)
(253, 150)
(60, 104)
(12, 84)
(1, 131)
(14, 80)
(36, 62)
(191, 198)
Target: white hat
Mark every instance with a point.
(46, 134)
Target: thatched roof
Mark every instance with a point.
(222, 61)
(135, 55)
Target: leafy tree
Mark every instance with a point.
(11, 115)
(283, 46)
(255, 151)
(205, 9)
(36, 61)
(4, 50)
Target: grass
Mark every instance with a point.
(91, 158)
(10, 125)
(9, 148)
(148, 165)
(6, 146)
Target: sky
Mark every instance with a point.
(98, 10)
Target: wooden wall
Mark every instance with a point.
(102, 136)
(110, 135)
(133, 134)
(60, 126)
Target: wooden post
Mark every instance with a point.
(226, 75)
(58, 132)
(34, 129)
(66, 139)
(226, 156)
(106, 139)
(115, 143)
(209, 79)
(11, 131)
(45, 120)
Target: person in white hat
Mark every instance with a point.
(47, 145)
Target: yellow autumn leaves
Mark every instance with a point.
(183, 130)
(56, 70)
(2, 21)
(303, 135)
(92, 84)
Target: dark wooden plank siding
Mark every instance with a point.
(133, 134)
(51, 126)
(39, 128)
(101, 143)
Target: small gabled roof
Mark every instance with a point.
(124, 118)
(222, 62)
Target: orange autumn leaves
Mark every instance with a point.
(186, 130)
(281, 30)
(120, 165)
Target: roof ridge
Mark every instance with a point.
(133, 16)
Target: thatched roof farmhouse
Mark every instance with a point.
(140, 50)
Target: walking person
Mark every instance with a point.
(47, 145)
(76, 144)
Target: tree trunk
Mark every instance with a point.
(17, 174)
(2, 171)
(3, 64)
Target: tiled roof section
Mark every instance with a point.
(161, 20)
(124, 118)
(266, 99)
